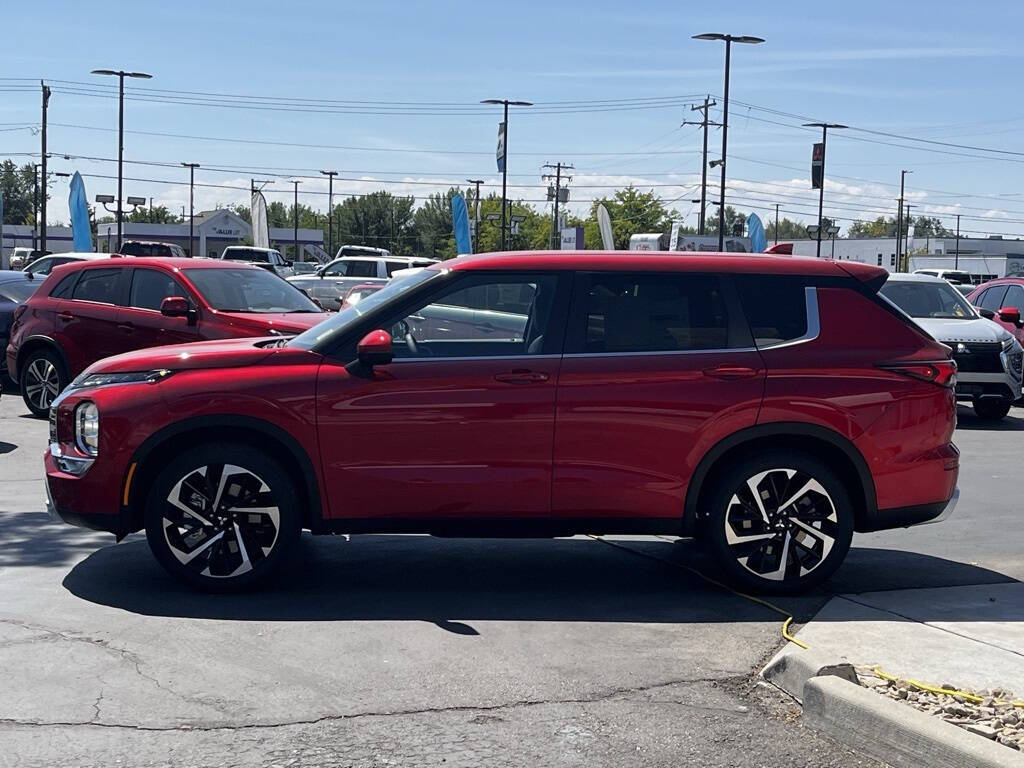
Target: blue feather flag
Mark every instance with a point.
(81, 230)
(460, 223)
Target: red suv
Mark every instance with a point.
(771, 406)
(1002, 301)
(88, 310)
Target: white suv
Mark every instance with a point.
(329, 284)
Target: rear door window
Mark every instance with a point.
(99, 285)
(775, 306)
(648, 312)
(63, 289)
(150, 287)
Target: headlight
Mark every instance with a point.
(87, 428)
(128, 377)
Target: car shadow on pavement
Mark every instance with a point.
(1013, 422)
(7, 447)
(454, 582)
(34, 539)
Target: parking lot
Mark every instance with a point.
(379, 649)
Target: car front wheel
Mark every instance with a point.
(222, 517)
(42, 379)
(779, 522)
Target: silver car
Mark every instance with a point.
(988, 357)
(331, 283)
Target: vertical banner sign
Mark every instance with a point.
(673, 237)
(460, 223)
(604, 223)
(78, 207)
(500, 153)
(755, 231)
(260, 228)
(817, 161)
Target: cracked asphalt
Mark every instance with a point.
(409, 650)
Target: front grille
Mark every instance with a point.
(53, 425)
(977, 356)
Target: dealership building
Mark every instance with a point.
(213, 232)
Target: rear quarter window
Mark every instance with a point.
(775, 307)
(63, 289)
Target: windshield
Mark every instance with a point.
(247, 254)
(248, 290)
(339, 322)
(928, 299)
(18, 291)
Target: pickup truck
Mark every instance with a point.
(268, 258)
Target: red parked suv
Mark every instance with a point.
(88, 310)
(771, 406)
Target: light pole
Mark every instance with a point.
(191, 209)
(503, 157)
(899, 220)
(821, 190)
(476, 215)
(120, 74)
(35, 205)
(776, 223)
(330, 211)
(729, 40)
(956, 262)
(295, 220)
(832, 232)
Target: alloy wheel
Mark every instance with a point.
(221, 520)
(42, 383)
(781, 524)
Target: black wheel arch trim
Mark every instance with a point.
(31, 343)
(866, 518)
(312, 515)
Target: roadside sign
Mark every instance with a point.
(817, 164)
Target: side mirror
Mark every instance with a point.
(988, 314)
(375, 349)
(178, 306)
(289, 263)
(1010, 315)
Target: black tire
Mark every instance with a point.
(814, 538)
(41, 379)
(991, 409)
(207, 541)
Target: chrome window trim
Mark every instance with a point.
(662, 352)
(471, 358)
(813, 322)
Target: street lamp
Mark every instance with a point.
(729, 40)
(330, 211)
(821, 190)
(832, 232)
(120, 74)
(191, 209)
(503, 154)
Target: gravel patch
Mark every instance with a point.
(993, 716)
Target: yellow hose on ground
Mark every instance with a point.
(972, 697)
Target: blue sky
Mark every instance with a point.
(942, 71)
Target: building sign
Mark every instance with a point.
(572, 239)
(817, 164)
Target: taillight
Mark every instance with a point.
(940, 372)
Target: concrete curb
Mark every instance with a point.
(895, 733)
(792, 667)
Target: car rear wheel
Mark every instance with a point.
(779, 522)
(42, 379)
(990, 408)
(222, 517)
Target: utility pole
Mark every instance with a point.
(899, 221)
(35, 206)
(42, 210)
(295, 219)
(906, 245)
(821, 190)
(191, 209)
(557, 196)
(956, 262)
(476, 216)
(330, 211)
(776, 223)
(703, 109)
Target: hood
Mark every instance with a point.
(225, 353)
(951, 330)
(259, 324)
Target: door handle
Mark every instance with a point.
(521, 377)
(730, 372)
(65, 316)
(127, 327)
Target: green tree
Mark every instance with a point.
(18, 187)
(379, 220)
(880, 227)
(788, 230)
(735, 222)
(158, 214)
(632, 212)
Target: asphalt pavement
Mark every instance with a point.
(410, 650)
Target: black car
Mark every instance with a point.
(15, 289)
